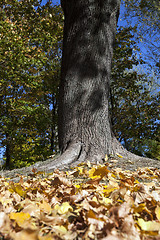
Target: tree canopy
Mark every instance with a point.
(30, 42)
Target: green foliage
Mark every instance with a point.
(30, 43)
(154, 149)
(135, 109)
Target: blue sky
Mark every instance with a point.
(54, 1)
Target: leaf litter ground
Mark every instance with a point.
(86, 202)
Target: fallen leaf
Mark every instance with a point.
(98, 172)
(18, 189)
(148, 225)
(157, 212)
(20, 218)
(45, 206)
(26, 234)
(64, 208)
(119, 155)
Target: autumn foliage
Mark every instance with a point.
(87, 202)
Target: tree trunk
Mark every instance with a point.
(53, 136)
(89, 31)
(7, 152)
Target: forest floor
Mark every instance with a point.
(116, 200)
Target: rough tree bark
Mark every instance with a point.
(84, 119)
(89, 31)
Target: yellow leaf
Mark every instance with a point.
(98, 172)
(61, 229)
(141, 207)
(119, 155)
(106, 158)
(45, 237)
(108, 191)
(95, 199)
(107, 200)
(157, 212)
(64, 208)
(18, 189)
(148, 225)
(45, 206)
(80, 170)
(136, 182)
(91, 172)
(20, 218)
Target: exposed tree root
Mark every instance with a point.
(75, 154)
(61, 162)
(131, 161)
(119, 149)
(71, 154)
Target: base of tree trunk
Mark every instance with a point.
(74, 155)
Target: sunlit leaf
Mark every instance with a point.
(20, 218)
(45, 206)
(148, 225)
(157, 212)
(106, 158)
(98, 172)
(64, 208)
(119, 155)
(107, 200)
(18, 189)
(60, 229)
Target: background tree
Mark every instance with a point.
(30, 58)
(145, 15)
(135, 111)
